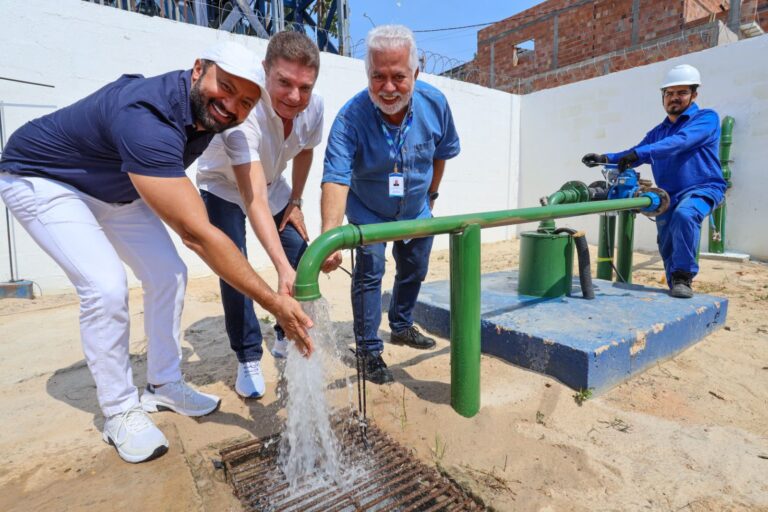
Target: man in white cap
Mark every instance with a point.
(683, 153)
(241, 175)
(92, 183)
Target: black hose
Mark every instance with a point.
(582, 253)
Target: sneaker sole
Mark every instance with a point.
(253, 395)
(155, 406)
(135, 459)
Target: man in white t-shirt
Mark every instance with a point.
(240, 176)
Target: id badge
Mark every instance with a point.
(396, 185)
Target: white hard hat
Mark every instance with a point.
(237, 60)
(684, 74)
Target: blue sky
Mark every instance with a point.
(430, 14)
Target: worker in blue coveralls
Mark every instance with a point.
(384, 162)
(683, 153)
(93, 182)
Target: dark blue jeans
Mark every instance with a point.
(239, 317)
(412, 262)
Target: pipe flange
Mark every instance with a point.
(579, 188)
(663, 201)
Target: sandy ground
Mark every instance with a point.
(690, 434)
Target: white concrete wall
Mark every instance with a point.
(612, 113)
(77, 47)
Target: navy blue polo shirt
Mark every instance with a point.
(134, 124)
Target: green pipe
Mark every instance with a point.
(306, 286)
(349, 236)
(606, 245)
(570, 192)
(626, 240)
(717, 235)
(465, 321)
(558, 197)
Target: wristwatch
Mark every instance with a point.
(297, 202)
(434, 195)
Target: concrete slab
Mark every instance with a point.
(583, 343)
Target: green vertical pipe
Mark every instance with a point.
(626, 240)
(465, 321)
(605, 246)
(558, 197)
(717, 242)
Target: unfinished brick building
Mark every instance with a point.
(563, 41)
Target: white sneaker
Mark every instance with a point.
(250, 381)
(280, 349)
(134, 435)
(179, 397)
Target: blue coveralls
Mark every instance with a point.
(685, 163)
(358, 156)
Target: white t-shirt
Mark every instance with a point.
(260, 138)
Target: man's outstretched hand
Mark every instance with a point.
(295, 323)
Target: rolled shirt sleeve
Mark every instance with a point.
(241, 143)
(316, 135)
(340, 153)
(448, 146)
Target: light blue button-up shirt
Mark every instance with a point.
(358, 156)
(684, 155)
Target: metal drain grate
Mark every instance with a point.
(394, 480)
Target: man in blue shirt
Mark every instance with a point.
(91, 183)
(683, 153)
(384, 162)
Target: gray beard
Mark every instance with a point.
(390, 110)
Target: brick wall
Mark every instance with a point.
(579, 39)
(762, 14)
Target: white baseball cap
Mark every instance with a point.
(237, 60)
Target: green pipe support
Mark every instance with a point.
(346, 237)
(606, 246)
(717, 235)
(465, 320)
(626, 240)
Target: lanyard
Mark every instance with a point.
(396, 145)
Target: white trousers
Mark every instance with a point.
(88, 238)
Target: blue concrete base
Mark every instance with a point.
(16, 290)
(583, 343)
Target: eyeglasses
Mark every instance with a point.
(680, 94)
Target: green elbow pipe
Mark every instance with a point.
(570, 192)
(349, 236)
(343, 237)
